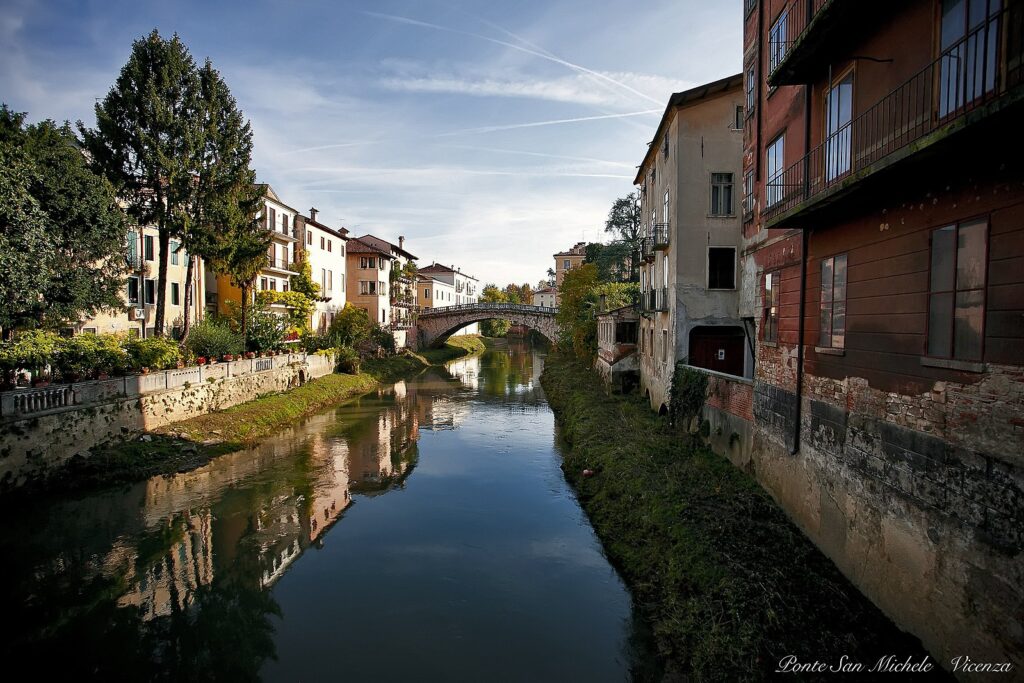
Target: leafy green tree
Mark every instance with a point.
(26, 263)
(240, 247)
(613, 260)
(350, 326)
(579, 302)
(85, 228)
(495, 327)
(147, 140)
(624, 223)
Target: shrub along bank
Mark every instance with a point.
(727, 582)
(186, 445)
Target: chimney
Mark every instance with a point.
(401, 242)
(312, 214)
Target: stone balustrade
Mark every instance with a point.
(21, 403)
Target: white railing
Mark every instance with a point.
(19, 403)
(517, 308)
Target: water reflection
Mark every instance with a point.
(175, 577)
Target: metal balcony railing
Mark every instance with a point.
(660, 235)
(279, 263)
(980, 68)
(655, 299)
(647, 248)
(789, 28)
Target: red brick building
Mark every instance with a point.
(884, 269)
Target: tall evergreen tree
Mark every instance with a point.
(222, 170)
(146, 141)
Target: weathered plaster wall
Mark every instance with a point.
(32, 445)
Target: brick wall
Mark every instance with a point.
(734, 396)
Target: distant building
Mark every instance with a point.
(566, 261)
(453, 288)
(616, 361)
(138, 316)
(547, 296)
(689, 282)
(380, 282)
(324, 248)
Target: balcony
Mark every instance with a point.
(647, 248)
(660, 236)
(654, 300)
(976, 78)
(284, 235)
(281, 266)
(796, 35)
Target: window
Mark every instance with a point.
(721, 267)
(284, 223)
(771, 307)
(273, 220)
(956, 298)
(175, 294)
(664, 146)
(367, 287)
(774, 159)
(150, 292)
(838, 114)
(329, 245)
(330, 280)
(133, 249)
(133, 290)
(777, 45)
(309, 237)
(664, 345)
(967, 67)
(367, 262)
(565, 264)
(426, 293)
(273, 285)
(147, 246)
(748, 195)
(382, 288)
(321, 241)
(833, 302)
(737, 123)
(323, 279)
(341, 250)
(721, 194)
(750, 92)
(284, 285)
(664, 210)
(175, 245)
(625, 333)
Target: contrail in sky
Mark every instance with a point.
(535, 124)
(513, 46)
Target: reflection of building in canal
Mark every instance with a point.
(466, 370)
(164, 570)
(381, 450)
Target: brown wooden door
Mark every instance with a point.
(720, 351)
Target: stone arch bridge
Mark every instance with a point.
(434, 325)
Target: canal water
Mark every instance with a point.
(423, 532)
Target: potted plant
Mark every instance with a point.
(145, 371)
(249, 355)
(227, 358)
(201, 360)
(180, 363)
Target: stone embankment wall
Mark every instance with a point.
(42, 428)
(919, 500)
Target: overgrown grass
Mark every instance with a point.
(728, 583)
(190, 443)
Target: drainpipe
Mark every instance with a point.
(804, 240)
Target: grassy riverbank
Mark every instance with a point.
(186, 445)
(727, 583)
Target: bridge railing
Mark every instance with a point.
(511, 308)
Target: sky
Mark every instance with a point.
(490, 135)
